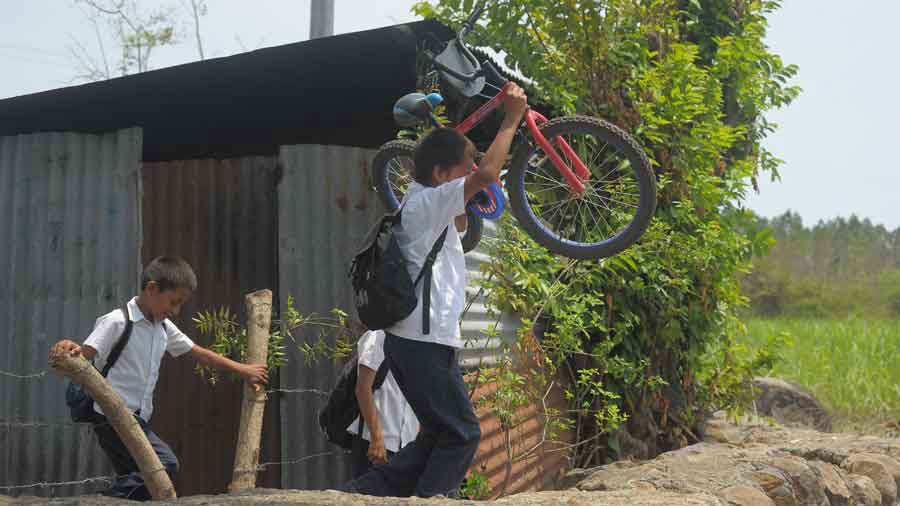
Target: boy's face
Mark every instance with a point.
(164, 304)
(459, 170)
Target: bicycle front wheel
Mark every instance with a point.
(392, 172)
(619, 198)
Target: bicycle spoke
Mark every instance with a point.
(594, 159)
(563, 215)
(623, 203)
(556, 208)
(399, 175)
(602, 210)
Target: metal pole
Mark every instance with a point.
(321, 18)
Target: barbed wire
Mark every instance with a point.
(300, 391)
(44, 484)
(24, 376)
(109, 479)
(264, 465)
(37, 424)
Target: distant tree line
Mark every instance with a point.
(835, 268)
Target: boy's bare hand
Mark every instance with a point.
(516, 103)
(377, 453)
(256, 375)
(70, 347)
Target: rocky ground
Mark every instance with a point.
(749, 464)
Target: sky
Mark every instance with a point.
(836, 139)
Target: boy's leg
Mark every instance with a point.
(127, 477)
(128, 482)
(457, 442)
(410, 362)
(436, 462)
(166, 456)
(360, 457)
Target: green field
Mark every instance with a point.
(852, 365)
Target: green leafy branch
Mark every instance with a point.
(333, 339)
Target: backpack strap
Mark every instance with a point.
(120, 344)
(426, 284)
(381, 374)
(425, 272)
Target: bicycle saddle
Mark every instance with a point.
(453, 58)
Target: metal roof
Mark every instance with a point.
(331, 90)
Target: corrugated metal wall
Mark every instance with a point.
(480, 350)
(69, 215)
(220, 216)
(325, 208)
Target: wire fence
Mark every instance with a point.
(8, 425)
(110, 479)
(16, 489)
(24, 376)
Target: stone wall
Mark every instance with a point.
(737, 465)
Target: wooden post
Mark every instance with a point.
(246, 457)
(122, 420)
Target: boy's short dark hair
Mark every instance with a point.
(442, 148)
(169, 273)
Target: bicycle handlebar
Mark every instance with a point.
(470, 23)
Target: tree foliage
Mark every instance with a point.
(136, 32)
(654, 325)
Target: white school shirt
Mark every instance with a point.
(426, 212)
(398, 422)
(135, 373)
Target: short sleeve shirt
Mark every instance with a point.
(135, 373)
(398, 422)
(426, 213)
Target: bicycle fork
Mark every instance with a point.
(533, 119)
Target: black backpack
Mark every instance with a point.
(81, 405)
(342, 407)
(383, 291)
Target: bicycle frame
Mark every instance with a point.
(533, 119)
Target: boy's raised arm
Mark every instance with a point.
(516, 103)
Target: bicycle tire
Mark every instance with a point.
(392, 168)
(530, 170)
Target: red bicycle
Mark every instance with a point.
(579, 186)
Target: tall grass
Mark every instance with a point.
(852, 365)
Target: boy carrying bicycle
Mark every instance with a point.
(425, 364)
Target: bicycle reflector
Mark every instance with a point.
(488, 203)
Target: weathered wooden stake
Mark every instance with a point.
(246, 458)
(82, 372)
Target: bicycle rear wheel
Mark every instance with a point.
(392, 170)
(619, 198)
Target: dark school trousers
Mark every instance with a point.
(436, 462)
(128, 482)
